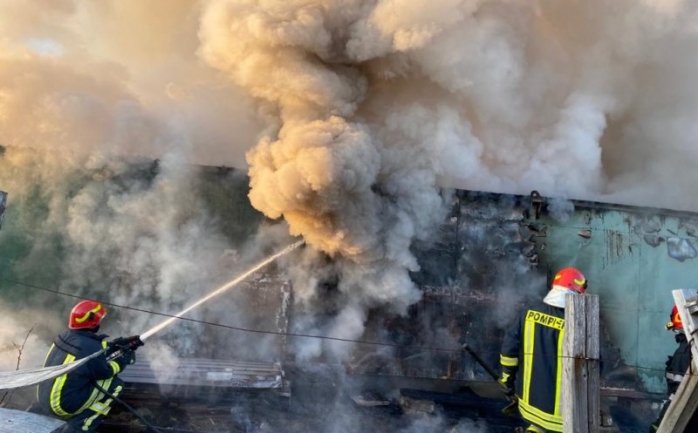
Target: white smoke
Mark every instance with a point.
(88, 90)
(161, 359)
(25, 337)
(372, 105)
(532, 88)
(351, 114)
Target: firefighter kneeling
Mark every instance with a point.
(77, 397)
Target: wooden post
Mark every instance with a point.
(581, 405)
(685, 400)
(677, 416)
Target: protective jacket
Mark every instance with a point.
(74, 392)
(677, 364)
(676, 367)
(531, 356)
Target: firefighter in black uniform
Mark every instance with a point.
(532, 351)
(75, 396)
(676, 367)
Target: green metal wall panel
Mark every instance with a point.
(625, 255)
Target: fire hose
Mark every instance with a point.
(129, 408)
(23, 378)
(509, 409)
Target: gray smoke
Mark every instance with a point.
(372, 105)
(351, 115)
(81, 120)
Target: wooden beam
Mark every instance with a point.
(685, 400)
(580, 365)
(680, 412)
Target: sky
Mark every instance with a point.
(349, 116)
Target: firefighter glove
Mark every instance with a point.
(127, 343)
(133, 342)
(127, 357)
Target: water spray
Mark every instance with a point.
(220, 290)
(23, 378)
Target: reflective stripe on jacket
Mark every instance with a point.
(73, 392)
(532, 352)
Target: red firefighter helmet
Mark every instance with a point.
(675, 322)
(571, 278)
(86, 315)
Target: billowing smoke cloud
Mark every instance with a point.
(81, 120)
(351, 114)
(118, 93)
(370, 106)
(498, 95)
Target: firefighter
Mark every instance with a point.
(75, 397)
(533, 347)
(676, 366)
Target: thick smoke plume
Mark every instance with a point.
(82, 119)
(371, 105)
(349, 114)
